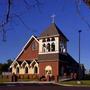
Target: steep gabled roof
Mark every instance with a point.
(32, 37)
(52, 30)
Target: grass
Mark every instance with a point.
(83, 82)
(8, 79)
(4, 80)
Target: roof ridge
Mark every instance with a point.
(52, 30)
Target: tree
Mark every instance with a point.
(4, 67)
(0, 68)
(9, 13)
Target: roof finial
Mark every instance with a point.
(53, 18)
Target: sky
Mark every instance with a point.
(38, 18)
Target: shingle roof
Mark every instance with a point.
(53, 56)
(52, 30)
(67, 58)
(58, 56)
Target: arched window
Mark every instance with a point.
(48, 39)
(48, 47)
(17, 70)
(44, 47)
(53, 47)
(52, 39)
(34, 46)
(26, 69)
(35, 69)
(23, 65)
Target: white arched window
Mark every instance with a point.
(24, 63)
(48, 47)
(53, 46)
(44, 48)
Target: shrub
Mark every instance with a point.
(87, 77)
(43, 78)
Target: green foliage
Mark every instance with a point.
(4, 67)
(87, 77)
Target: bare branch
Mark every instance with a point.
(20, 19)
(6, 20)
(79, 13)
(29, 6)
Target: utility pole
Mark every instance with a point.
(79, 44)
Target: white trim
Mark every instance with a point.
(49, 52)
(48, 67)
(23, 63)
(30, 40)
(36, 65)
(32, 62)
(13, 64)
(24, 48)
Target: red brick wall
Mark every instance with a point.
(53, 64)
(28, 53)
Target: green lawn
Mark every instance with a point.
(83, 82)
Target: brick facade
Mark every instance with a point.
(42, 52)
(53, 64)
(28, 53)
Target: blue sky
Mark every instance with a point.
(37, 19)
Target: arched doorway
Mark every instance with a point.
(48, 70)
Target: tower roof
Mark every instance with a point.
(52, 30)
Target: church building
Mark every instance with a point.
(45, 55)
